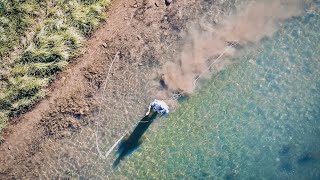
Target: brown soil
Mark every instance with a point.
(54, 139)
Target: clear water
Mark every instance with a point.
(258, 119)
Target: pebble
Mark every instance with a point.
(140, 64)
(251, 61)
(168, 2)
(135, 6)
(104, 45)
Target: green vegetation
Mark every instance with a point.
(28, 64)
(16, 18)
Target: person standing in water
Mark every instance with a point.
(131, 142)
(159, 107)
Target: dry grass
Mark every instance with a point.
(16, 18)
(57, 38)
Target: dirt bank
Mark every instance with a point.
(54, 139)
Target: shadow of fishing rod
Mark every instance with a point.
(131, 142)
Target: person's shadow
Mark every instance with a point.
(133, 141)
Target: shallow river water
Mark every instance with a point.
(258, 119)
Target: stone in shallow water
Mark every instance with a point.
(306, 158)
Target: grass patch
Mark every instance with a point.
(57, 38)
(15, 19)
